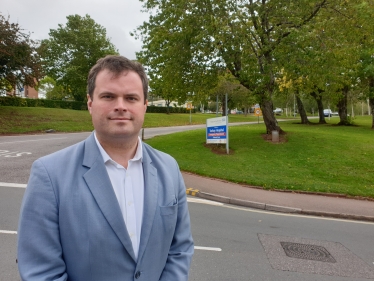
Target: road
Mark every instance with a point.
(232, 243)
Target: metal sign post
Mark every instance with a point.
(258, 113)
(189, 107)
(217, 107)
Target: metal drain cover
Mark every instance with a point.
(307, 252)
(345, 263)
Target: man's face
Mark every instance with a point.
(117, 107)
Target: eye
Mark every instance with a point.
(107, 97)
(132, 99)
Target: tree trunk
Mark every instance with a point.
(223, 102)
(224, 109)
(318, 98)
(342, 107)
(271, 122)
(300, 107)
(167, 106)
(371, 102)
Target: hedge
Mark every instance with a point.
(163, 109)
(24, 102)
(77, 105)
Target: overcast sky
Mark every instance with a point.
(119, 17)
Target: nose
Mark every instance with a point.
(120, 105)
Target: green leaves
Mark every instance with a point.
(72, 50)
(19, 58)
(187, 44)
(51, 90)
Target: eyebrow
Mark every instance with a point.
(112, 93)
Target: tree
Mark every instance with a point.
(51, 90)
(167, 94)
(237, 95)
(295, 86)
(366, 69)
(327, 57)
(199, 39)
(72, 50)
(367, 77)
(19, 60)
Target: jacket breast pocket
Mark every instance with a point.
(168, 210)
(168, 217)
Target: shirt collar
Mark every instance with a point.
(138, 154)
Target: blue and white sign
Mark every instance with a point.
(216, 130)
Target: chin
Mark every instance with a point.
(123, 134)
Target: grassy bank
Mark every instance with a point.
(315, 158)
(15, 120)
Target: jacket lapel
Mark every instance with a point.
(101, 188)
(150, 200)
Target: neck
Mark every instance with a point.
(120, 151)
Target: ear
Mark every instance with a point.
(89, 103)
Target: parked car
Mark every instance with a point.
(327, 112)
(278, 111)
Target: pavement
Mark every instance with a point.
(327, 205)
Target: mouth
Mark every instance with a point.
(120, 118)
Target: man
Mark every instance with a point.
(111, 207)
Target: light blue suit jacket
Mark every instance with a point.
(71, 226)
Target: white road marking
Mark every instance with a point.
(208, 249)
(203, 201)
(4, 152)
(33, 140)
(7, 153)
(19, 185)
(8, 232)
(196, 247)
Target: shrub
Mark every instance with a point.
(163, 109)
(24, 102)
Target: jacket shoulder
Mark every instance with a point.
(63, 155)
(157, 155)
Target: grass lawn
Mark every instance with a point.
(315, 158)
(15, 120)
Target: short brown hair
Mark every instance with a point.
(116, 65)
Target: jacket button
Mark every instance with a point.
(137, 275)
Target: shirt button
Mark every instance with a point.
(137, 275)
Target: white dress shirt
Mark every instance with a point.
(128, 185)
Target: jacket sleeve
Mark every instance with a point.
(182, 247)
(39, 251)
